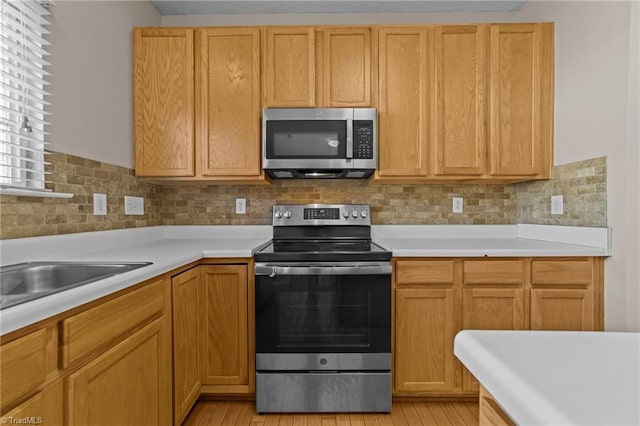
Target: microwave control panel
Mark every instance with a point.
(362, 139)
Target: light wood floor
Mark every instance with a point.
(404, 413)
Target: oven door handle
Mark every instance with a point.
(368, 268)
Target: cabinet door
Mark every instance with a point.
(404, 75)
(460, 82)
(45, 407)
(130, 384)
(424, 332)
(290, 75)
(491, 309)
(186, 356)
(559, 309)
(228, 101)
(346, 67)
(164, 102)
(224, 321)
(521, 104)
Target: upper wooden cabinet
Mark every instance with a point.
(460, 100)
(521, 99)
(163, 101)
(198, 104)
(228, 102)
(346, 67)
(465, 102)
(318, 67)
(403, 107)
(290, 74)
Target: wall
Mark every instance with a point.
(91, 84)
(633, 167)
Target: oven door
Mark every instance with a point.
(323, 308)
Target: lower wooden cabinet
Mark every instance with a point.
(130, 384)
(434, 298)
(106, 363)
(490, 413)
(185, 291)
(225, 317)
(425, 328)
(45, 407)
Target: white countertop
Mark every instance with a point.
(557, 377)
(170, 247)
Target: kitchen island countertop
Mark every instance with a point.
(557, 377)
(170, 247)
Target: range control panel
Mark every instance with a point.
(321, 214)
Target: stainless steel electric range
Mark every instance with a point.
(323, 313)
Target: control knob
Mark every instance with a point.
(354, 214)
(346, 214)
(278, 215)
(363, 213)
(287, 214)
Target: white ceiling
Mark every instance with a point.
(224, 7)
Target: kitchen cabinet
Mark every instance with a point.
(465, 102)
(493, 298)
(490, 412)
(318, 67)
(164, 112)
(197, 104)
(128, 384)
(403, 107)
(186, 334)
(108, 362)
(226, 315)
(290, 74)
(347, 66)
(123, 349)
(45, 407)
(521, 99)
(434, 298)
(563, 294)
(460, 83)
(25, 364)
(228, 110)
(426, 320)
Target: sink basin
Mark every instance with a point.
(27, 281)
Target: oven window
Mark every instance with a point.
(306, 139)
(326, 313)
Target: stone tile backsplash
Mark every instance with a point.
(583, 185)
(35, 216)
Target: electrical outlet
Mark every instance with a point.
(458, 205)
(557, 204)
(99, 204)
(241, 206)
(133, 205)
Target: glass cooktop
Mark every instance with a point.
(321, 250)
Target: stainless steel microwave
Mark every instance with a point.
(319, 142)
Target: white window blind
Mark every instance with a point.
(22, 94)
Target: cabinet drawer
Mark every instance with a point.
(98, 326)
(24, 364)
(561, 272)
(493, 272)
(424, 272)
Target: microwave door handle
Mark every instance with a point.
(349, 139)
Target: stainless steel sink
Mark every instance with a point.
(27, 281)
